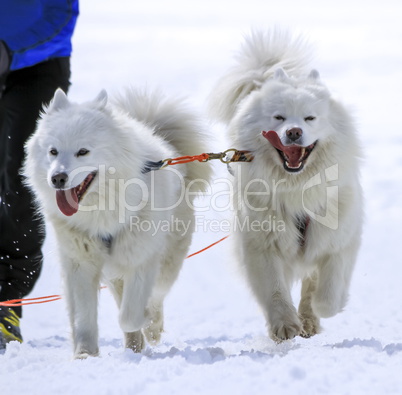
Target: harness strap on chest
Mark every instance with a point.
(302, 224)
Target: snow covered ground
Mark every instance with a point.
(215, 340)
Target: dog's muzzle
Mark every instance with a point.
(293, 156)
(68, 199)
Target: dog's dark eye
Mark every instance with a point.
(82, 152)
(53, 152)
(279, 117)
(309, 118)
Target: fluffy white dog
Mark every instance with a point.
(299, 210)
(89, 166)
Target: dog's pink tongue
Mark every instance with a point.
(67, 201)
(292, 152)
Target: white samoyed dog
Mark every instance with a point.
(299, 205)
(115, 220)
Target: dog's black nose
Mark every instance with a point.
(59, 180)
(294, 134)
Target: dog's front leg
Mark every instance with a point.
(310, 322)
(133, 340)
(272, 290)
(334, 276)
(138, 283)
(81, 290)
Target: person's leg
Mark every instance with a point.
(21, 228)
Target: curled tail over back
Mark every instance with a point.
(173, 121)
(261, 54)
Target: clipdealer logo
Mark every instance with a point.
(222, 195)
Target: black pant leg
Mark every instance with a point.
(21, 227)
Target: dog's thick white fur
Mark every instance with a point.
(126, 226)
(299, 213)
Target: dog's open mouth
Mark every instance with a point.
(68, 199)
(293, 156)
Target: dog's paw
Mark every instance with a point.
(134, 341)
(328, 300)
(283, 321)
(153, 334)
(310, 326)
(285, 331)
(327, 308)
(153, 331)
(84, 354)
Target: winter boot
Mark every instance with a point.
(9, 327)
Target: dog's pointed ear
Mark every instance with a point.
(280, 74)
(59, 101)
(314, 75)
(101, 99)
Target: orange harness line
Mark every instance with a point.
(23, 302)
(206, 248)
(187, 159)
(228, 156)
(52, 298)
(237, 156)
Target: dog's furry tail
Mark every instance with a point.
(172, 120)
(261, 54)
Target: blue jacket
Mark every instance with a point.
(37, 30)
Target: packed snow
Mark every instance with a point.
(216, 340)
